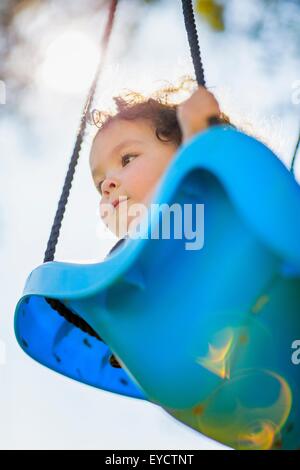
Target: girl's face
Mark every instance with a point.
(127, 161)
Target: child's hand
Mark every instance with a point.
(194, 113)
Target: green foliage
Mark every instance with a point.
(212, 12)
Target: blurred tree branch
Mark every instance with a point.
(275, 22)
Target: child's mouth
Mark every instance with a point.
(118, 201)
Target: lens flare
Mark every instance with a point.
(246, 412)
(217, 359)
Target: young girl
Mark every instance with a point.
(134, 147)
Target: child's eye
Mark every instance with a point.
(125, 158)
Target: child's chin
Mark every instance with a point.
(129, 228)
(122, 224)
(120, 231)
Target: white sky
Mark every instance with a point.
(39, 408)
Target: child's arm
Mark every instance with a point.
(194, 113)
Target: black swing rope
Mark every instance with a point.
(190, 25)
(58, 306)
(54, 235)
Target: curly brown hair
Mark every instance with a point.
(158, 108)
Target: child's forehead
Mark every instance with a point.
(119, 131)
(117, 135)
(120, 128)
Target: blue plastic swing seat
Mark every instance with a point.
(208, 334)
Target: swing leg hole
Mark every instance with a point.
(114, 363)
